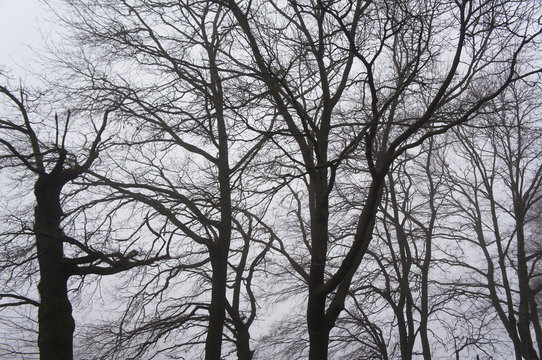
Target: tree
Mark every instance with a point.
(398, 282)
(399, 305)
(356, 84)
(44, 150)
(495, 194)
(190, 131)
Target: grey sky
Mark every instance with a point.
(21, 24)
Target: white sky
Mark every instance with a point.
(21, 24)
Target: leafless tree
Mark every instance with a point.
(184, 152)
(495, 191)
(41, 152)
(402, 254)
(398, 306)
(356, 84)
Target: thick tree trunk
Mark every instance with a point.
(316, 307)
(318, 330)
(524, 328)
(56, 324)
(219, 261)
(243, 343)
(424, 311)
(404, 339)
(535, 320)
(217, 310)
(220, 251)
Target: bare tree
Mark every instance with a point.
(494, 194)
(360, 83)
(403, 254)
(43, 149)
(398, 304)
(184, 155)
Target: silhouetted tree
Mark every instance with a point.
(355, 85)
(185, 151)
(42, 148)
(494, 191)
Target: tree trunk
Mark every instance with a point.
(406, 351)
(316, 306)
(56, 324)
(243, 343)
(217, 312)
(535, 320)
(219, 261)
(318, 331)
(528, 351)
(424, 308)
(220, 251)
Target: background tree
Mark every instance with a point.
(403, 256)
(494, 192)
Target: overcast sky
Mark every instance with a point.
(21, 24)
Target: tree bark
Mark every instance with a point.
(56, 324)
(220, 250)
(243, 343)
(316, 306)
(528, 351)
(217, 315)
